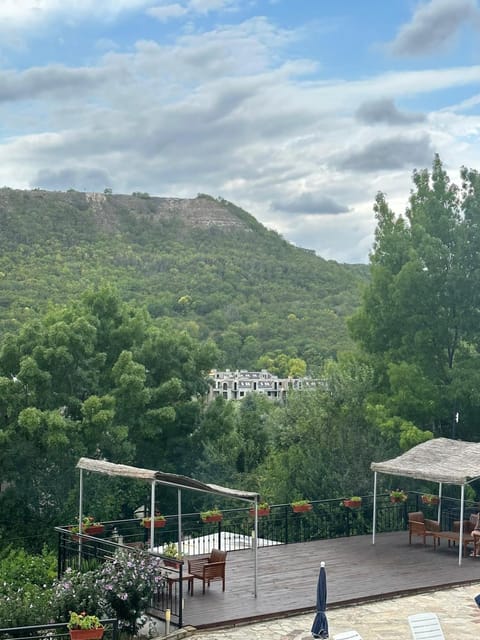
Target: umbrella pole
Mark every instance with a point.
(179, 509)
(374, 524)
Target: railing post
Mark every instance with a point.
(286, 524)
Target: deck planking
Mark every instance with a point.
(357, 571)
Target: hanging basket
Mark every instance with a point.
(261, 513)
(156, 523)
(94, 530)
(216, 518)
(87, 634)
(300, 508)
(352, 504)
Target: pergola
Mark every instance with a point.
(171, 480)
(439, 460)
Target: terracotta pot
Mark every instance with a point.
(156, 524)
(353, 504)
(87, 634)
(212, 518)
(396, 500)
(261, 512)
(175, 564)
(302, 507)
(94, 530)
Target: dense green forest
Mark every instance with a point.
(203, 262)
(120, 374)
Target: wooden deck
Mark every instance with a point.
(357, 571)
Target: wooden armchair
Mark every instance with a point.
(418, 525)
(209, 568)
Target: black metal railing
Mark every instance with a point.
(327, 519)
(57, 630)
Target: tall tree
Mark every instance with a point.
(419, 317)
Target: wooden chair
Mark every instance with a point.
(209, 568)
(418, 525)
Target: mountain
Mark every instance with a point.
(203, 261)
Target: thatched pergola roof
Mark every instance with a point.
(171, 479)
(438, 460)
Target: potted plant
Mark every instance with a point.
(174, 557)
(398, 495)
(301, 505)
(353, 503)
(214, 515)
(84, 627)
(263, 510)
(429, 498)
(89, 526)
(158, 521)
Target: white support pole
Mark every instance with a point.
(255, 547)
(152, 516)
(80, 519)
(179, 509)
(460, 538)
(374, 525)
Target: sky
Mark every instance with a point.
(298, 111)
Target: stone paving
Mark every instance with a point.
(383, 620)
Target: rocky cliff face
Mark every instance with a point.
(108, 210)
(200, 212)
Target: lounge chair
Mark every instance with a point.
(425, 626)
(347, 635)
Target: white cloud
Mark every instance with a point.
(225, 112)
(167, 11)
(433, 26)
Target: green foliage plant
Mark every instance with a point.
(77, 591)
(26, 587)
(300, 503)
(83, 621)
(171, 551)
(212, 513)
(398, 495)
(145, 522)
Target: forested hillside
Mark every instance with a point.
(204, 262)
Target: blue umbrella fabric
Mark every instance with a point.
(320, 624)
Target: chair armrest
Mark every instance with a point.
(432, 525)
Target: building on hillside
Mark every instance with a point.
(235, 385)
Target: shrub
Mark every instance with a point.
(77, 591)
(128, 583)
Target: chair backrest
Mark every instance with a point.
(417, 516)
(425, 626)
(347, 635)
(217, 556)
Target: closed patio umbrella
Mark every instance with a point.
(320, 624)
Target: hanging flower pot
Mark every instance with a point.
(397, 495)
(428, 498)
(87, 634)
(263, 509)
(95, 530)
(84, 627)
(158, 521)
(301, 505)
(353, 503)
(214, 515)
(261, 512)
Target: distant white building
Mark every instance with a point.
(235, 385)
